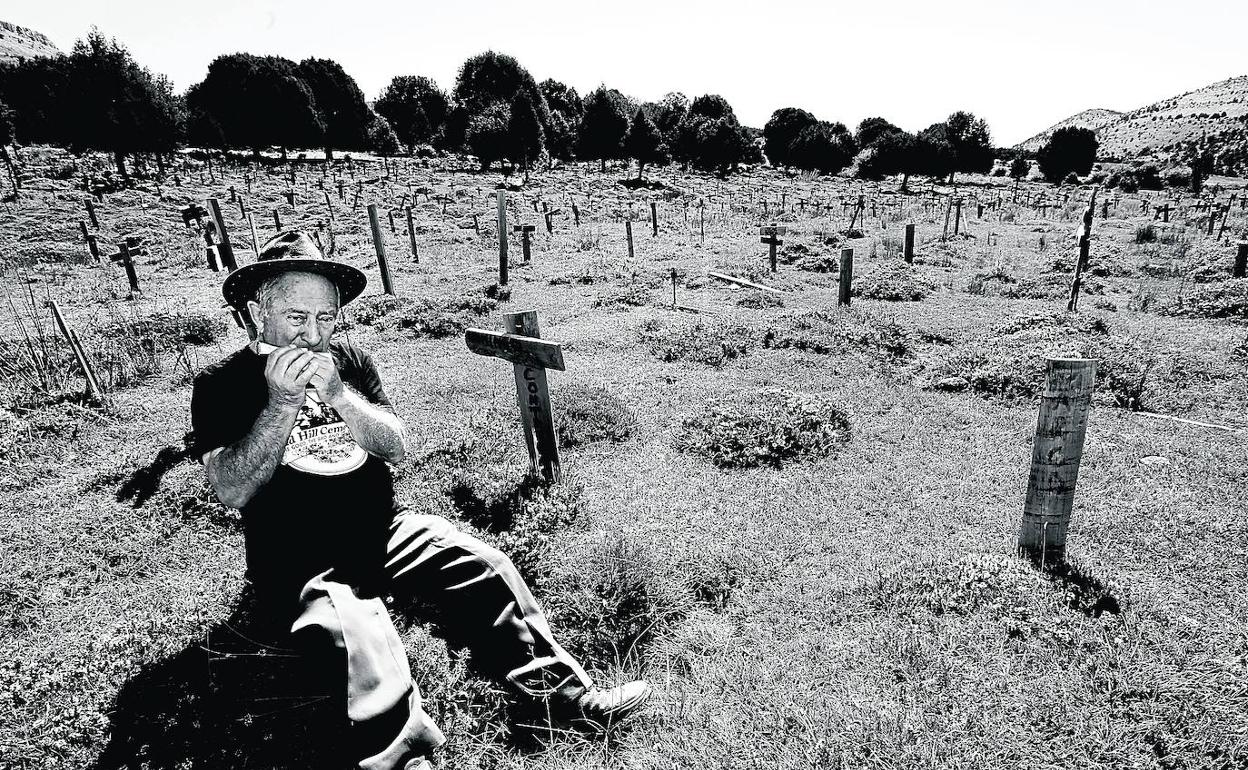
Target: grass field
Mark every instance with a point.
(797, 521)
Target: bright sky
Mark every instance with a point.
(1021, 66)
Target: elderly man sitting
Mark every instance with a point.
(296, 431)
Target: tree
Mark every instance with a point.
(644, 142)
(667, 115)
(255, 102)
(933, 152)
(822, 146)
(416, 108)
(893, 152)
(971, 143)
(339, 104)
(526, 137)
(6, 138)
(1068, 149)
(603, 128)
(486, 134)
(781, 130)
(120, 107)
(1019, 167)
(871, 129)
(710, 137)
(487, 79)
(38, 92)
(382, 139)
(566, 110)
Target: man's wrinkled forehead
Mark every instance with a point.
(301, 288)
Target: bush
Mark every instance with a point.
(633, 295)
(1145, 234)
(896, 283)
(169, 328)
(1228, 299)
(585, 414)
(707, 342)
(423, 317)
(776, 427)
(760, 300)
(1177, 177)
(824, 332)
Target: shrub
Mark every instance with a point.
(1228, 299)
(422, 317)
(775, 427)
(169, 328)
(586, 414)
(707, 342)
(896, 283)
(1145, 234)
(759, 300)
(633, 295)
(824, 332)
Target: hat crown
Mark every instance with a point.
(290, 244)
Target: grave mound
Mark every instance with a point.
(774, 428)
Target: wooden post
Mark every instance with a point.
(628, 233)
(1085, 239)
(1241, 261)
(80, 355)
(531, 356)
(908, 249)
(846, 277)
(957, 215)
(654, 219)
(255, 240)
(502, 236)
(411, 234)
(379, 244)
(277, 221)
(673, 288)
(1213, 219)
(127, 250)
(93, 246)
(390, 216)
(225, 250)
(576, 214)
(1056, 451)
(95, 223)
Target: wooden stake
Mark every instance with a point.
(1241, 260)
(654, 219)
(93, 384)
(95, 223)
(379, 244)
(846, 277)
(908, 249)
(411, 234)
(628, 233)
(502, 236)
(1056, 452)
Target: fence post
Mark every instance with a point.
(1241, 261)
(502, 236)
(908, 251)
(1058, 447)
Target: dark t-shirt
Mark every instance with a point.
(329, 503)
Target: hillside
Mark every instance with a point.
(1093, 119)
(21, 43)
(1217, 111)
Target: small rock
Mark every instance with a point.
(952, 384)
(1154, 460)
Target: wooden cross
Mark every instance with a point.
(193, 213)
(127, 250)
(550, 227)
(532, 356)
(772, 237)
(524, 231)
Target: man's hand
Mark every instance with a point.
(326, 379)
(288, 372)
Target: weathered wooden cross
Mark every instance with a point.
(193, 213)
(524, 231)
(127, 250)
(772, 236)
(522, 345)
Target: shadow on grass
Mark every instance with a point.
(233, 699)
(145, 481)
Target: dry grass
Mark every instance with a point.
(859, 608)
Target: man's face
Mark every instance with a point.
(301, 310)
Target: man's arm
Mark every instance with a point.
(236, 472)
(377, 430)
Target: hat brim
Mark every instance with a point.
(240, 285)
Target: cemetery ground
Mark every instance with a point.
(797, 520)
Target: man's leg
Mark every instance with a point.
(484, 603)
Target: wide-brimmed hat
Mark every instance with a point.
(288, 252)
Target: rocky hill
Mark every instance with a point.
(21, 43)
(1093, 119)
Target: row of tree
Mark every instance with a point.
(99, 98)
